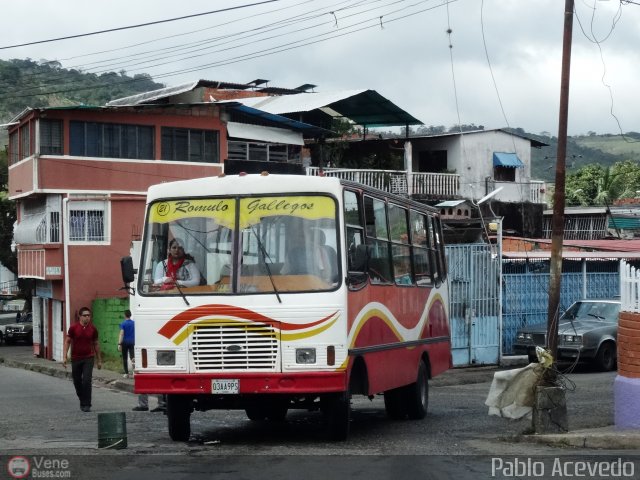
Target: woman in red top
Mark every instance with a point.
(82, 337)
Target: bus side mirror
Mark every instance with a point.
(128, 272)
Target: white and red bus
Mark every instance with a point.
(311, 290)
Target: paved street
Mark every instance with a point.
(40, 416)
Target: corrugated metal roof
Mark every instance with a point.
(450, 203)
(604, 245)
(153, 95)
(546, 254)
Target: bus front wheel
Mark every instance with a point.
(179, 417)
(337, 409)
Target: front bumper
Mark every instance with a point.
(18, 336)
(299, 383)
(564, 352)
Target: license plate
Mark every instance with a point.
(225, 386)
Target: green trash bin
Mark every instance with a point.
(112, 430)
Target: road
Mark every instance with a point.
(39, 415)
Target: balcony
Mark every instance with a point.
(400, 182)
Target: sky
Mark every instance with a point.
(494, 63)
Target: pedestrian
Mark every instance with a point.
(82, 338)
(143, 403)
(126, 341)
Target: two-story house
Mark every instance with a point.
(79, 176)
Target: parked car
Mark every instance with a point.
(587, 331)
(21, 331)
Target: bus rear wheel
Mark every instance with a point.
(417, 394)
(179, 417)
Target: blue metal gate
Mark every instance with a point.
(474, 279)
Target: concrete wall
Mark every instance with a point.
(108, 313)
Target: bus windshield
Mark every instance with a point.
(260, 244)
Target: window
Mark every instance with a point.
(355, 232)
(189, 145)
(111, 140)
(259, 151)
(504, 174)
(14, 147)
(87, 221)
(377, 240)
(50, 137)
(420, 247)
(25, 141)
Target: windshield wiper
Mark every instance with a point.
(265, 255)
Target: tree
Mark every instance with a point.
(7, 218)
(598, 185)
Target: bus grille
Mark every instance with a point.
(233, 346)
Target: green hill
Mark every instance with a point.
(27, 83)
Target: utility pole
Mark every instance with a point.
(557, 232)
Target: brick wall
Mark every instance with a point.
(629, 345)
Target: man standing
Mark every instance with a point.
(126, 341)
(82, 337)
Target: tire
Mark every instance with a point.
(417, 395)
(606, 357)
(277, 413)
(256, 414)
(394, 404)
(338, 415)
(179, 417)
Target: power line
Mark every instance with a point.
(136, 26)
(374, 23)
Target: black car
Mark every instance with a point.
(588, 331)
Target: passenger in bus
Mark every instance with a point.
(178, 269)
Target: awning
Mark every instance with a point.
(264, 134)
(509, 160)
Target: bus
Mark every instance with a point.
(308, 290)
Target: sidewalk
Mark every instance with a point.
(605, 437)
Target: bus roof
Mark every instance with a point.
(262, 184)
(243, 184)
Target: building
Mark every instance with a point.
(79, 176)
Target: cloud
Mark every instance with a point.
(505, 55)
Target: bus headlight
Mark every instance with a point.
(306, 355)
(165, 357)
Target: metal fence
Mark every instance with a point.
(629, 288)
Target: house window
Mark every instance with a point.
(14, 147)
(189, 145)
(504, 174)
(258, 151)
(432, 161)
(50, 137)
(87, 221)
(25, 141)
(111, 140)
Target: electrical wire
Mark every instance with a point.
(139, 25)
(340, 32)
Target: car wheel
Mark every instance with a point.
(606, 357)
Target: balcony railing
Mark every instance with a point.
(440, 185)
